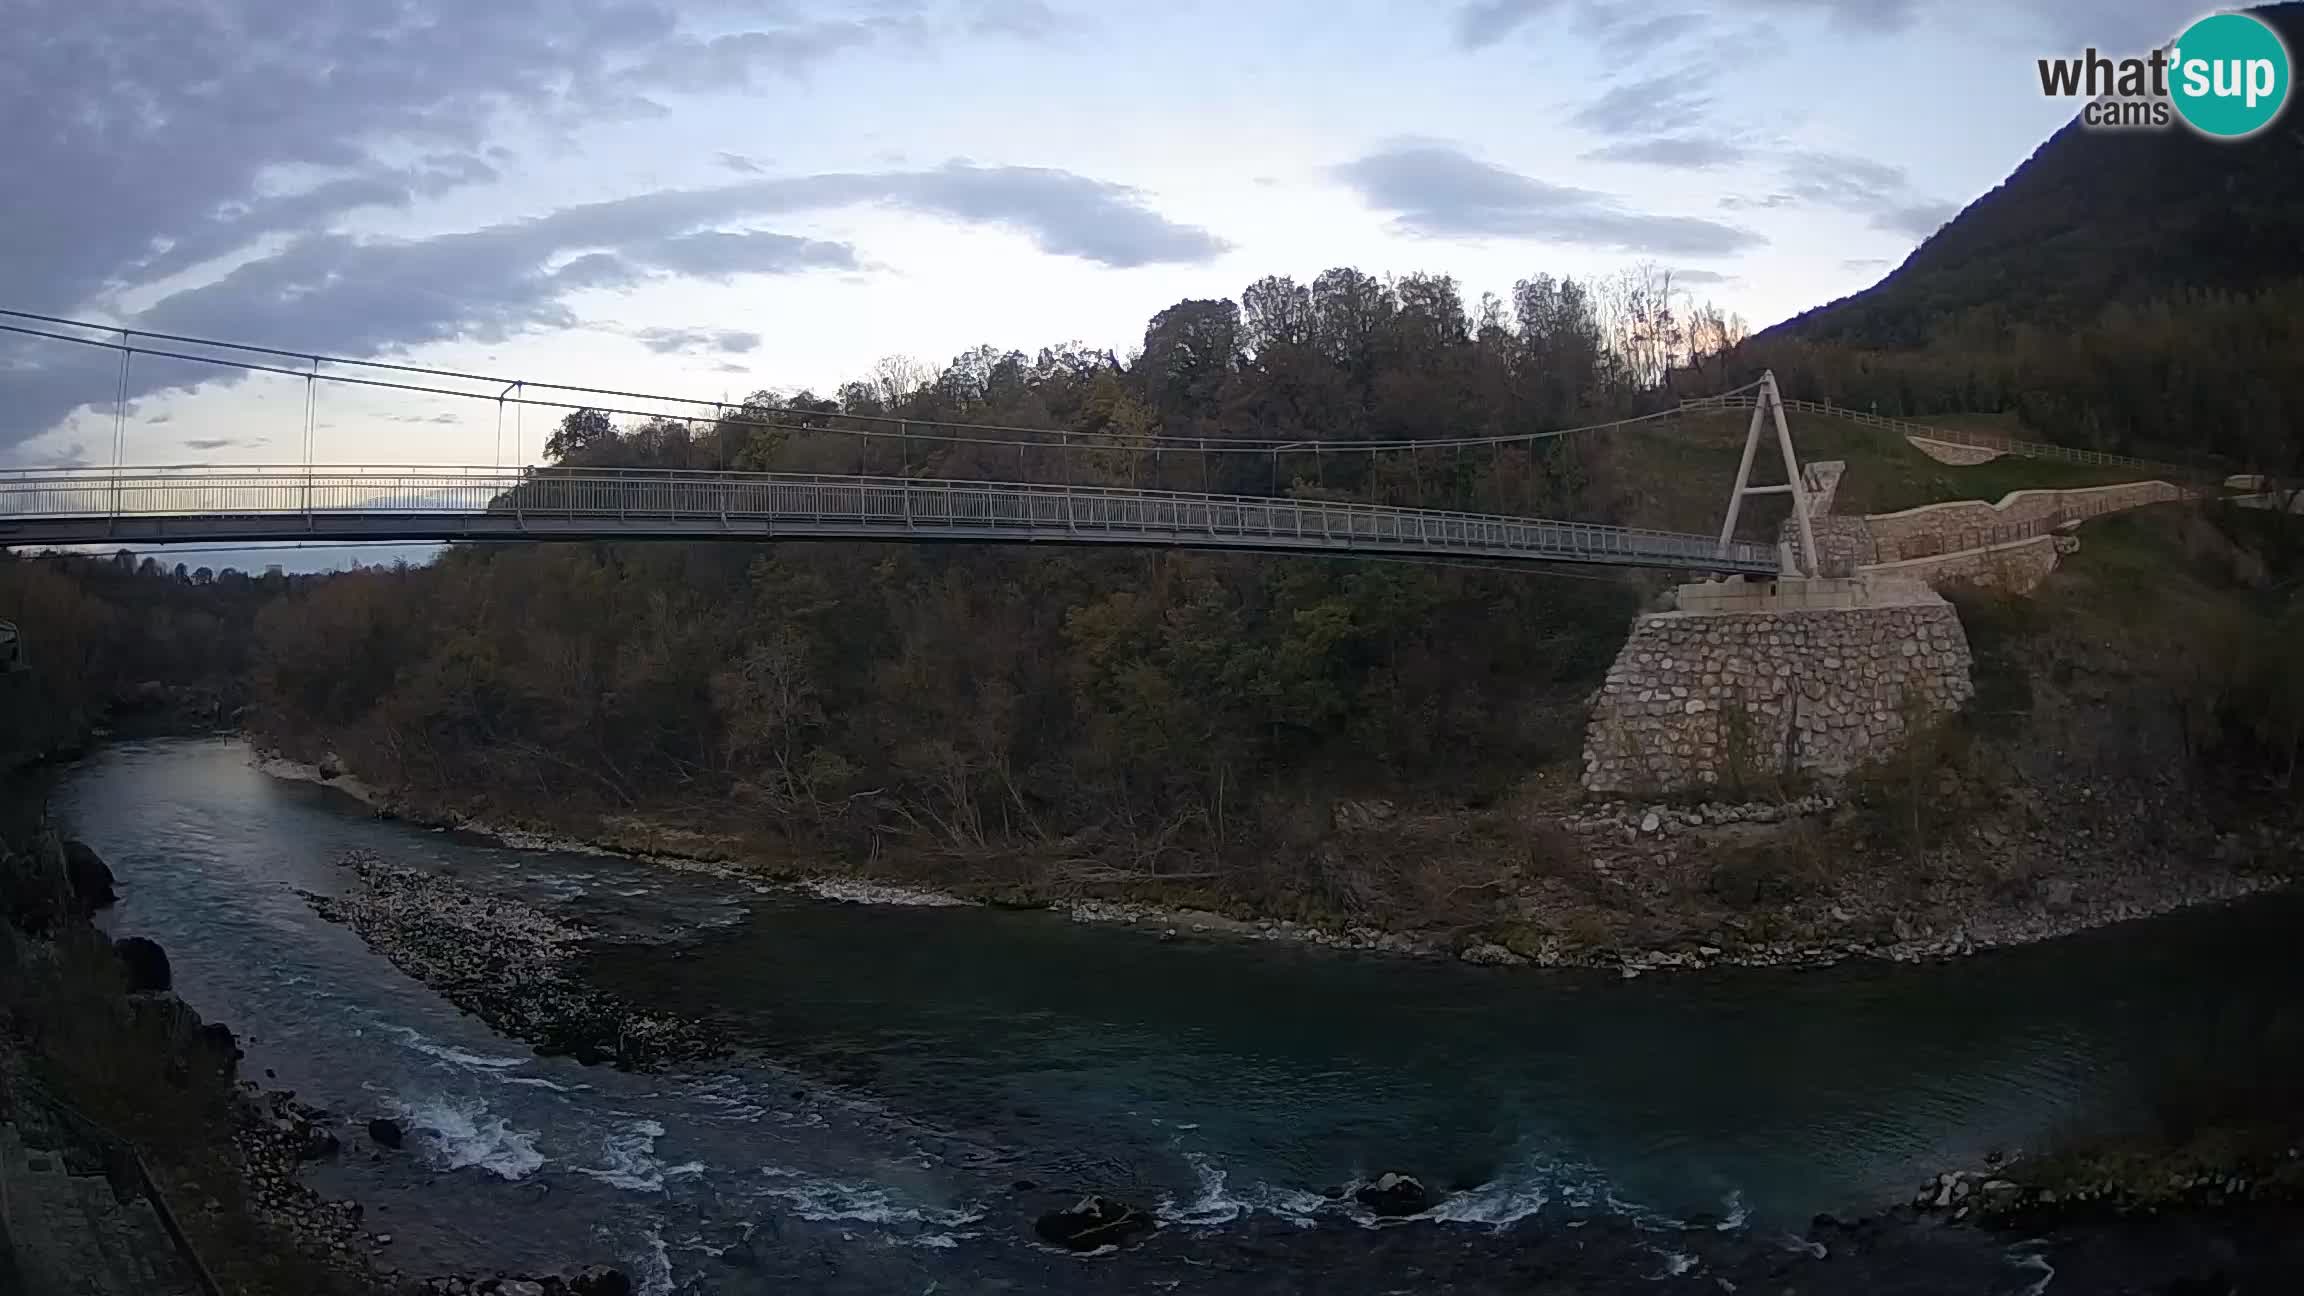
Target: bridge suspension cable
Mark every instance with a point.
(768, 417)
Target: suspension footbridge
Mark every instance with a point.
(1028, 485)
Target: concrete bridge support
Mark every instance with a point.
(1748, 679)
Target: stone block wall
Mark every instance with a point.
(1952, 452)
(1969, 524)
(1821, 480)
(2017, 568)
(1845, 542)
(1697, 698)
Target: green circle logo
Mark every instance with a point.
(2228, 75)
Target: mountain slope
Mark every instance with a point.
(2092, 218)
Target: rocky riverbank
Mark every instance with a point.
(507, 963)
(1622, 886)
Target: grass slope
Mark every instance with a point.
(1674, 474)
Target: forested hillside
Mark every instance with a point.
(2139, 291)
(109, 637)
(1149, 708)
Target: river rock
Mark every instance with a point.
(145, 962)
(385, 1133)
(90, 877)
(331, 767)
(599, 1280)
(317, 1143)
(1395, 1194)
(508, 963)
(1491, 954)
(1091, 1222)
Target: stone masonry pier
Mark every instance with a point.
(1747, 679)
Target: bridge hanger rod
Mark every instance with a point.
(1105, 439)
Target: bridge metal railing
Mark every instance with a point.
(1930, 432)
(195, 501)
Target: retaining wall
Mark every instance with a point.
(1970, 524)
(2017, 568)
(1700, 698)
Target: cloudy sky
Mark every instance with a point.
(724, 195)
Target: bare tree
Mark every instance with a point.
(897, 377)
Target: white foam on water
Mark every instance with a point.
(1738, 1212)
(421, 1043)
(1211, 1206)
(630, 1161)
(1676, 1263)
(539, 1082)
(1214, 1203)
(2027, 1255)
(1812, 1249)
(732, 1097)
(834, 1201)
(655, 1267)
(462, 1134)
(1498, 1203)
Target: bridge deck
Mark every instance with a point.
(164, 505)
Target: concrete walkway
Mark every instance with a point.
(64, 1231)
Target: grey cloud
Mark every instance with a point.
(739, 163)
(664, 341)
(1879, 191)
(1627, 27)
(1686, 151)
(720, 254)
(1628, 33)
(1485, 22)
(159, 129)
(442, 172)
(737, 59)
(335, 294)
(1663, 102)
(1029, 20)
(1917, 219)
(730, 367)
(1700, 277)
(1436, 191)
(210, 443)
(74, 455)
(1863, 263)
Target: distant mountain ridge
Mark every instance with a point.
(2095, 217)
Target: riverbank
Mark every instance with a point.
(1636, 888)
(203, 1170)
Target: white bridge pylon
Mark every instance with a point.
(1769, 404)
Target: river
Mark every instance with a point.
(902, 1070)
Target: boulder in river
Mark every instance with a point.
(1395, 1194)
(331, 767)
(146, 963)
(218, 1039)
(385, 1133)
(317, 1143)
(1091, 1222)
(91, 879)
(598, 1280)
